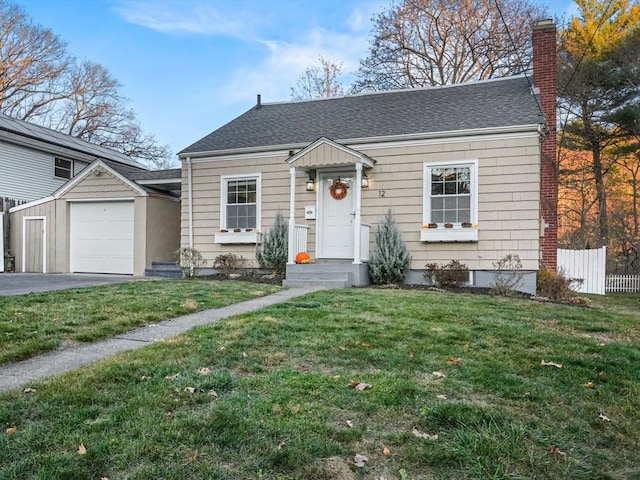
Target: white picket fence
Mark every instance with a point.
(588, 265)
(623, 283)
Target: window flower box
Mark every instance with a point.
(451, 235)
(241, 237)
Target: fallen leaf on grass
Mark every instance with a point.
(204, 371)
(604, 418)
(442, 397)
(359, 385)
(281, 445)
(426, 436)
(145, 377)
(551, 364)
(360, 460)
(11, 430)
(349, 423)
(82, 450)
(29, 390)
(365, 345)
(590, 385)
(213, 394)
(190, 304)
(454, 361)
(386, 452)
(438, 374)
(172, 377)
(556, 451)
(244, 355)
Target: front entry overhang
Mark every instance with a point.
(325, 154)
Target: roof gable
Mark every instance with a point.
(96, 169)
(325, 152)
(494, 104)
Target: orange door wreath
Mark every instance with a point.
(338, 190)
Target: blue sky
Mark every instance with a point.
(190, 66)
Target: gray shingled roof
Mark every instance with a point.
(497, 103)
(168, 174)
(43, 134)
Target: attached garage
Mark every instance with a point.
(101, 221)
(101, 237)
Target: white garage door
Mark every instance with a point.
(102, 237)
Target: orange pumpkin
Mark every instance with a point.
(303, 257)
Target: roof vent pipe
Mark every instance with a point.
(259, 101)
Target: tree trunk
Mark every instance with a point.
(601, 191)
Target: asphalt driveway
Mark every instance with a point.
(22, 283)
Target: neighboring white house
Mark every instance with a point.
(88, 208)
(35, 161)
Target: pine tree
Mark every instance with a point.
(390, 261)
(275, 246)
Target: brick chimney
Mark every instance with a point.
(545, 80)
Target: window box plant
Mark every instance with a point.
(238, 236)
(449, 234)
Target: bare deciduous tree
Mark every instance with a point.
(419, 43)
(319, 81)
(41, 83)
(32, 62)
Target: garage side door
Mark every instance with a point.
(102, 237)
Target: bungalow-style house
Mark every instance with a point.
(475, 162)
(89, 209)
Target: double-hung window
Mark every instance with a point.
(240, 206)
(450, 201)
(63, 168)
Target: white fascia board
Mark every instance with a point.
(160, 182)
(35, 203)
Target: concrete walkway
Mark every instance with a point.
(20, 374)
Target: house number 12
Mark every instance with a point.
(381, 193)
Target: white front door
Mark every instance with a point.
(335, 220)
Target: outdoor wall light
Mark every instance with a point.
(364, 182)
(310, 185)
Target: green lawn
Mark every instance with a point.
(467, 368)
(36, 323)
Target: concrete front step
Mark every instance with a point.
(315, 283)
(336, 274)
(163, 270)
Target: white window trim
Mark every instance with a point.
(71, 170)
(239, 237)
(457, 233)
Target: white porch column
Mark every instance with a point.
(292, 215)
(356, 217)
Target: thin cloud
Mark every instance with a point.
(284, 62)
(184, 17)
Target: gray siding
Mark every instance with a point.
(27, 174)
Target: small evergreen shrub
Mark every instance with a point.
(272, 254)
(228, 264)
(453, 274)
(390, 260)
(190, 261)
(507, 275)
(555, 285)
